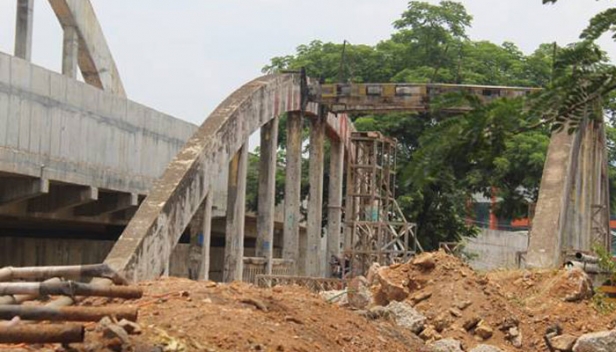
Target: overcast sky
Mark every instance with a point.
(185, 57)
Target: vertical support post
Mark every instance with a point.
(267, 192)
(348, 207)
(236, 208)
(70, 51)
(23, 29)
(315, 200)
(207, 236)
(292, 188)
(334, 216)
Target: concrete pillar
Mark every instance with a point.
(236, 209)
(292, 188)
(23, 29)
(544, 250)
(348, 208)
(267, 192)
(70, 51)
(334, 215)
(315, 198)
(207, 236)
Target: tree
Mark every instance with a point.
(444, 160)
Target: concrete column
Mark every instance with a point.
(207, 236)
(267, 192)
(23, 29)
(348, 207)
(544, 249)
(292, 188)
(70, 51)
(334, 215)
(315, 200)
(236, 209)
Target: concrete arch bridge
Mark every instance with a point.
(48, 175)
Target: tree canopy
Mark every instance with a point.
(497, 149)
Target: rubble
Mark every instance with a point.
(486, 348)
(406, 316)
(446, 345)
(358, 293)
(563, 342)
(603, 341)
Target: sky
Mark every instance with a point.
(184, 57)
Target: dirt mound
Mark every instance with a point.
(508, 309)
(183, 315)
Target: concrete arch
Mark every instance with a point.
(144, 248)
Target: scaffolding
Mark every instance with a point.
(377, 230)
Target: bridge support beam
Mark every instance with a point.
(17, 190)
(23, 29)
(63, 197)
(267, 192)
(70, 51)
(292, 188)
(236, 208)
(334, 215)
(108, 203)
(207, 236)
(315, 200)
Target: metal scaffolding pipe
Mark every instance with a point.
(8, 312)
(69, 288)
(19, 299)
(586, 258)
(72, 272)
(65, 333)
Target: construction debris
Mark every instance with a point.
(38, 313)
(25, 333)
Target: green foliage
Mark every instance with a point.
(445, 160)
(499, 147)
(606, 263)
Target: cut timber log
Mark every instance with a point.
(42, 334)
(36, 313)
(71, 272)
(69, 288)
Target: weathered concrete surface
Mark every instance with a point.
(145, 246)
(70, 51)
(23, 29)
(267, 192)
(204, 274)
(236, 210)
(572, 209)
(493, 249)
(292, 188)
(315, 198)
(63, 130)
(334, 203)
(95, 60)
